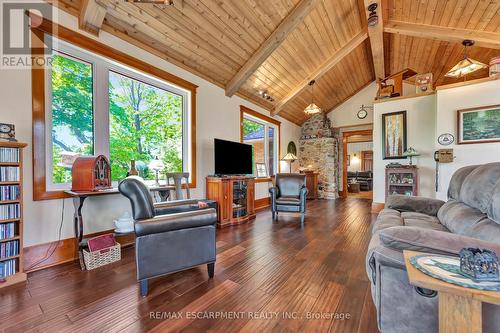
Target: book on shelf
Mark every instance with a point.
(8, 268)
(9, 249)
(9, 155)
(9, 192)
(9, 174)
(10, 211)
(7, 230)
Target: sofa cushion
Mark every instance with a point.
(433, 241)
(413, 219)
(288, 200)
(387, 218)
(478, 187)
(494, 209)
(404, 203)
(457, 180)
(464, 220)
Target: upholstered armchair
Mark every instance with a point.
(289, 194)
(170, 236)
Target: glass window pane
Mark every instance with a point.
(145, 122)
(72, 115)
(271, 157)
(253, 134)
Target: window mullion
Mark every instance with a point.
(101, 109)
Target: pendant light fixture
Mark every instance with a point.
(467, 65)
(312, 108)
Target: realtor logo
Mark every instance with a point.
(17, 19)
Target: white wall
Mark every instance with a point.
(448, 102)
(217, 117)
(421, 128)
(346, 113)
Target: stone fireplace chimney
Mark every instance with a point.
(318, 146)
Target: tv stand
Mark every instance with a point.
(235, 197)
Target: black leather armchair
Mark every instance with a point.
(289, 194)
(170, 236)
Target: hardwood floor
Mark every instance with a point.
(269, 276)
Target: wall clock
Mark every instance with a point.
(7, 132)
(362, 114)
(446, 139)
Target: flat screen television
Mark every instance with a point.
(232, 158)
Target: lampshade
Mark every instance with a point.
(156, 164)
(411, 152)
(312, 109)
(466, 65)
(289, 157)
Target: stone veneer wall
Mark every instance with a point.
(318, 148)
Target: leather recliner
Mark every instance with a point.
(170, 236)
(289, 194)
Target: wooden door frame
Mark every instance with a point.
(345, 136)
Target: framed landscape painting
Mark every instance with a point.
(479, 125)
(394, 135)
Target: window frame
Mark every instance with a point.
(39, 101)
(246, 113)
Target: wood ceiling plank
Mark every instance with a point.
(320, 71)
(336, 21)
(91, 16)
(149, 25)
(430, 11)
(167, 23)
(190, 19)
(494, 22)
(376, 34)
(459, 13)
(124, 31)
(276, 38)
(482, 38)
(478, 13)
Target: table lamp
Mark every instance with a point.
(156, 165)
(290, 158)
(411, 152)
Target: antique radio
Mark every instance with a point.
(91, 173)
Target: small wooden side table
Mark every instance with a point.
(354, 188)
(460, 309)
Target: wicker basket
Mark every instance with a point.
(102, 257)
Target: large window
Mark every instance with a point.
(100, 107)
(263, 134)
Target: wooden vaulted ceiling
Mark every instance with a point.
(280, 45)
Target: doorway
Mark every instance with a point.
(357, 166)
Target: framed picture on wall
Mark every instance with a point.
(261, 170)
(394, 135)
(478, 125)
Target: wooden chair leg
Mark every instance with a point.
(144, 287)
(211, 270)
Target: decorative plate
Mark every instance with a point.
(447, 269)
(446, 139)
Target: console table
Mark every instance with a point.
(235, 196)
(78, 201)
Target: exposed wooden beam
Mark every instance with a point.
(91, 16)
(486, 39)
(321, 70)
(296, 16)
(376, 34)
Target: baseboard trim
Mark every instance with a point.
(65, 251)
(262, 203)
(377, 207)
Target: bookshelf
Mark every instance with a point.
(11, 213)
